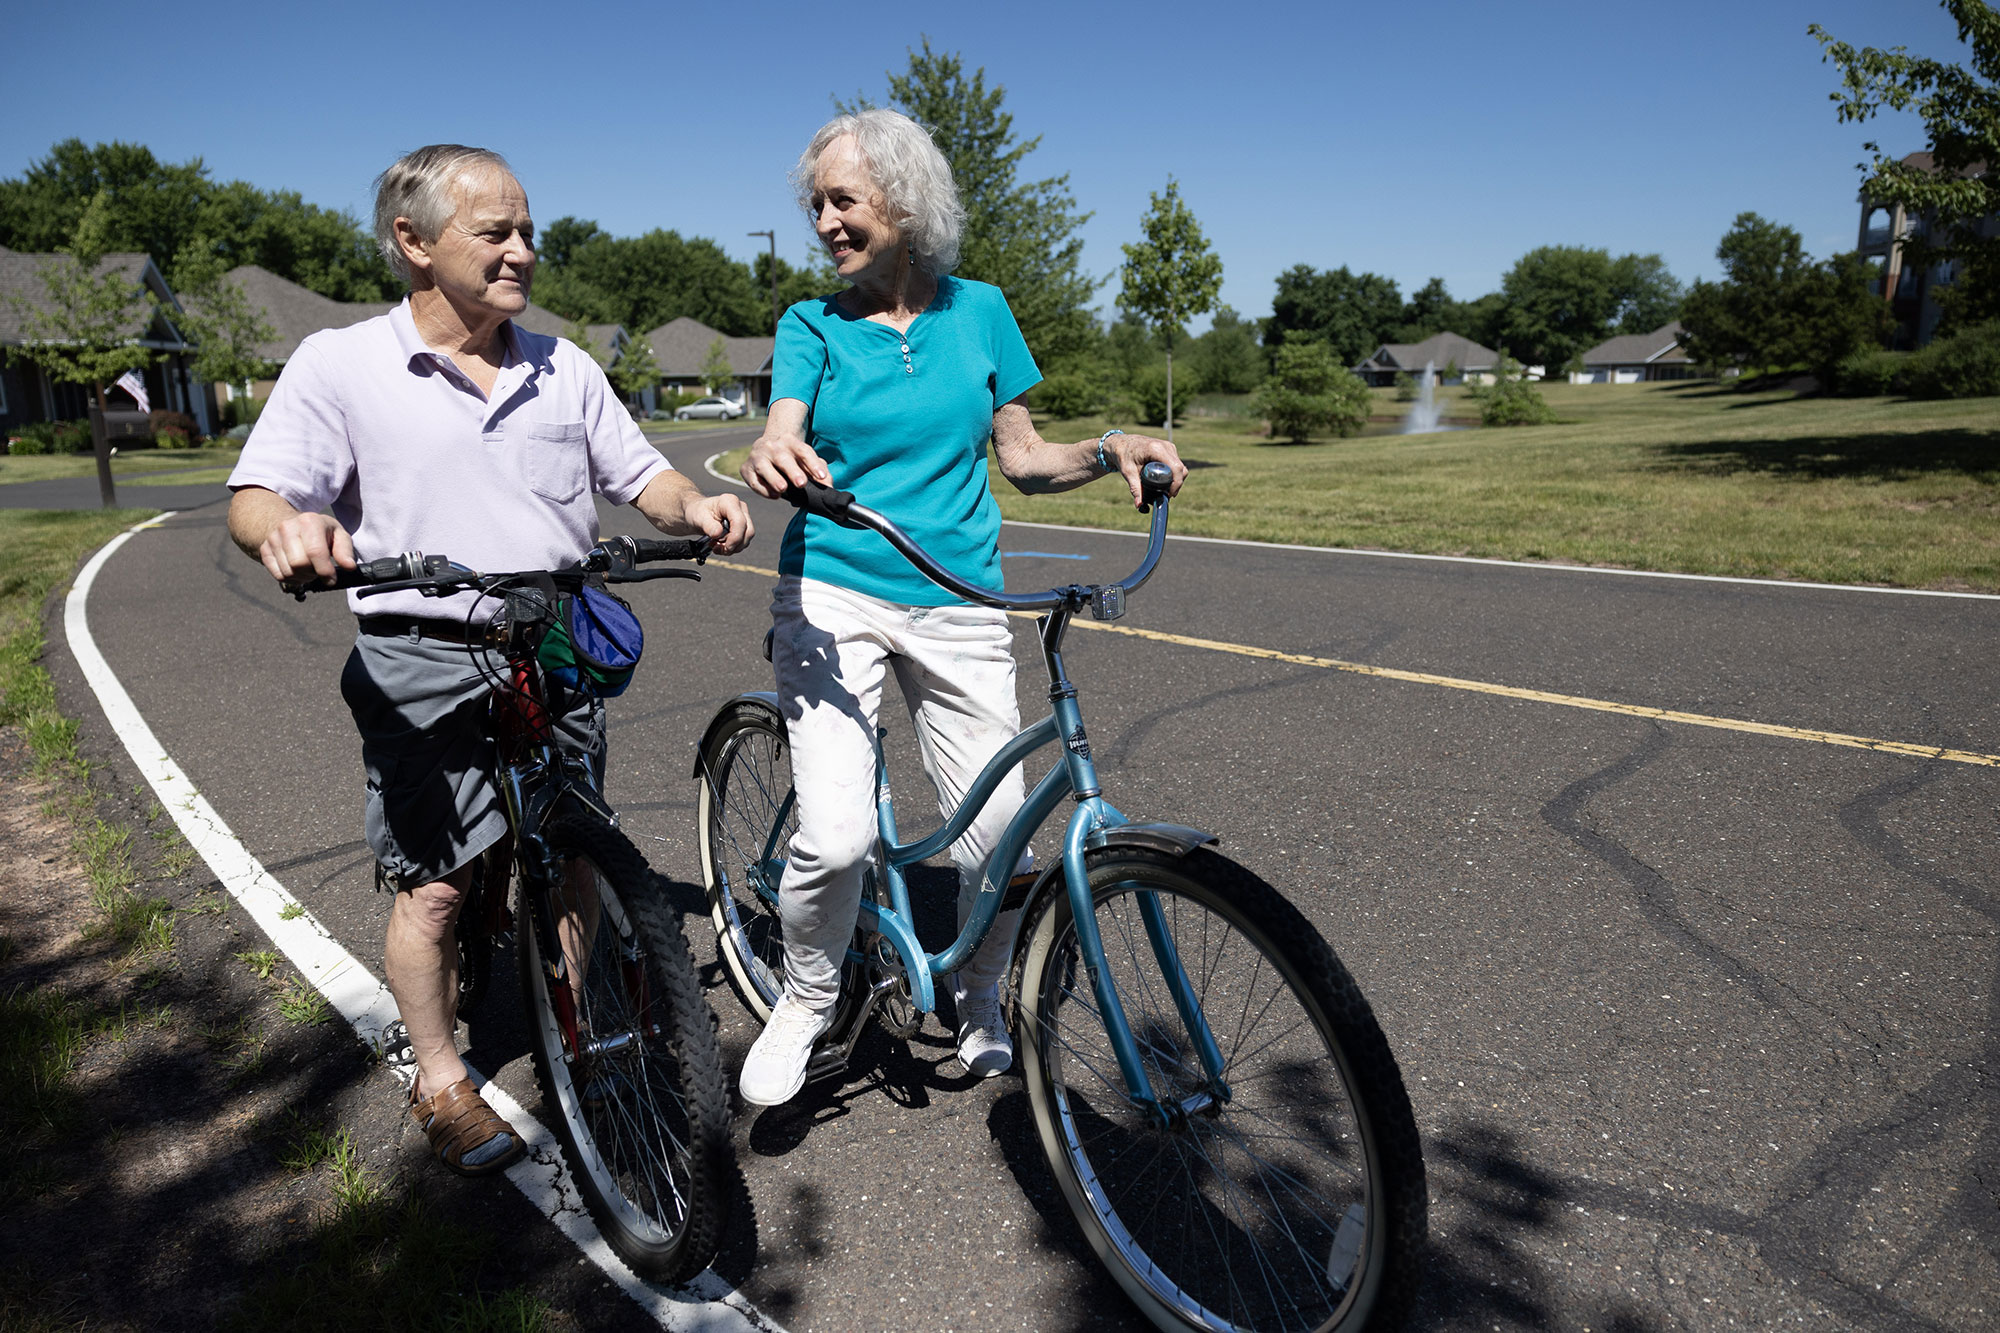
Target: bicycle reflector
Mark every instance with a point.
(1108, 602)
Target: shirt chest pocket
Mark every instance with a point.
(556, 460)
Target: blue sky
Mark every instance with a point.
(1446, 139)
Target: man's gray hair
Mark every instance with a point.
(418, 186)
(906, 166)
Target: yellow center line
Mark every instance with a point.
(1515, 692)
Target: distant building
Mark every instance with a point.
(27, 394)
(1636, 358)
(1911, 291)
(1455, 360)
(295, 313)
(681, 346)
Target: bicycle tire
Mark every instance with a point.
(641, 1108)
(745, 775)
(1250, 1213)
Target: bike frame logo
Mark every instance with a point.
(1078, 743)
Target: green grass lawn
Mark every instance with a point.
(136, 462)
(1682, 477)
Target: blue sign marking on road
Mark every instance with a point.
(1044, 555)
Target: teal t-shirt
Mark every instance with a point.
(903, 420)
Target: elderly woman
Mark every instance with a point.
(891, 389)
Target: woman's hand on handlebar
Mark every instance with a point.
(1128, 453)
(781, 463)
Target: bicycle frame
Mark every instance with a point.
(1094, 822)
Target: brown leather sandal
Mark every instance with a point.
(460, 1125)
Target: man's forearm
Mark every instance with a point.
(253, 514)
(664, 503)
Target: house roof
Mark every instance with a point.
(680, 346)
(21, 282)
(295, 313)
(1660, 347)
(1439, 350)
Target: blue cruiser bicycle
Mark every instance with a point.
(1216, 1100)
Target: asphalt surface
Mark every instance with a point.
(1698, 1024)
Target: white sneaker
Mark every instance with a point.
(983, 1045)
(775, 1069)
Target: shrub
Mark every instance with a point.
(1309, 391)
(72, 437)
(1965, 365)
(36, 437)
(1869, 373)
(1406, 388)
(1067, 394)
(241, 411)
(1511, 400)
(1149, 390)
(173, 430)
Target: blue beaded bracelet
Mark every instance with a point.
(1103, 463)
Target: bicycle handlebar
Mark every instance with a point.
(1106, 599)
(437, 575)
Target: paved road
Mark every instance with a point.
(1698, 1023)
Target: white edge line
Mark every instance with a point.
(708, 1303)
(1514, 564)
(708, 466)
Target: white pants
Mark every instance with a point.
(955, 665)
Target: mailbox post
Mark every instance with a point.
(106, 425)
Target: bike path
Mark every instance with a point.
(1697, 1024)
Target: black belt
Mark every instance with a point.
(441, 631)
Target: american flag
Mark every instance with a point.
(131, 383)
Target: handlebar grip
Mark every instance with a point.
(646, 549)
(823, 500)
(1154, 479)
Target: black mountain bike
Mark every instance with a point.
(623, 1040)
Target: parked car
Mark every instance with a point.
(713, 407)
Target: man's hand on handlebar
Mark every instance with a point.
(724, 519)
(306, 548)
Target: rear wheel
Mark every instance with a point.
(625, 1049)
(1293, 1200)
(746, 822)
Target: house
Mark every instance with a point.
(295, 313)
(1910, 290)
(1636, 358)
(26, 392)
(681, 347)
(1455, 359)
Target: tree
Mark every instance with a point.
(1309, 391)
(1560, 300)
(1171, 276)
(1353, 313)
(169, 211)
(1023, 237)
(218, 318)
(577, 332)
(1228, 356)
(715, 371)
(644, 281)
(86, 329)
(1775, 306)
(1959, 192)
(1648, 295)
(635, 371)
(1430, 310)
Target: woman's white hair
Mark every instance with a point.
(912, 175)
(418, 186)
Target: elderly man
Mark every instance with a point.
(444, 427)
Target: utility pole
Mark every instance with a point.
(772, 237)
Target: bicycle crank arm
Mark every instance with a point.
(832, 1057)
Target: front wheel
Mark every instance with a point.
(625, 1048)
(746, 820)
(1289, 1194)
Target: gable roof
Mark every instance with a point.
(1662, 346)
(21, 283)
(1439, 350)
(680, 346)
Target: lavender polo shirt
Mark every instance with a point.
(408, 455)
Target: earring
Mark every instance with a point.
(913, 256)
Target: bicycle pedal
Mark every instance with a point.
(825, 1063)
